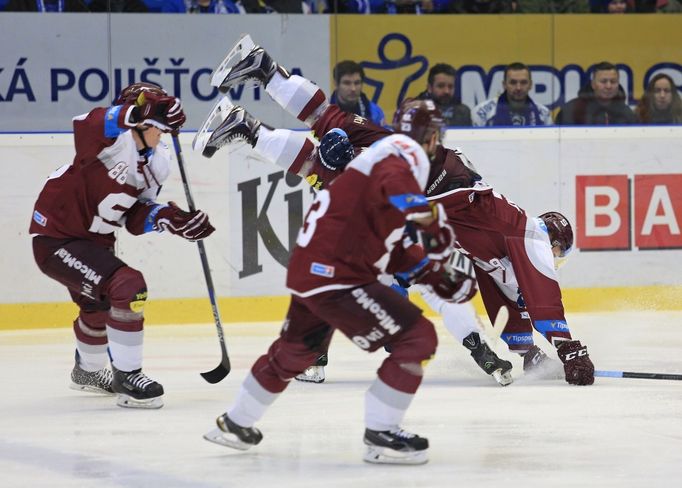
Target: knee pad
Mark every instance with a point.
(127, 293)
(283, 361)
(416, 344)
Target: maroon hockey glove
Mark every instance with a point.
(192, 226)
(439, 279)
(577, 364)
(438, 237)
(162, 111)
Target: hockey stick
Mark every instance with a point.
(217, 374)
(643, 376)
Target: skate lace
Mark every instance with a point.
(402, 434)
(105, 376)
(140, 380)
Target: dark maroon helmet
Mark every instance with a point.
(418, 119)
(559, 230)
(130, 93)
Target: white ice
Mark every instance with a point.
(542, 433)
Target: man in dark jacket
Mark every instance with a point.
(602, 102)
(440, 88)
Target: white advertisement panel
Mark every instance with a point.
(60, 66)
(622, 189)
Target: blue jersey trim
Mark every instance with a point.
(407, 200)
(111, 128)
(544, 326)
(150, 221)
(518, 338)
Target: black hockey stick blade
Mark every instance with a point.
(643, 376)
(216, 375)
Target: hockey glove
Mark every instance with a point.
(577, 364)
(438, 237)
(193, 226)
(336, 150)
(161, 111)
(433, 275)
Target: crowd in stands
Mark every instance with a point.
(346, 6)
(602, 101)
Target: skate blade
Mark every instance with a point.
(503, 379)
(384, 455)
(222, 108)
(126, 401)
(241, 50)
(217, 436)
(313, 374)
(90, 389)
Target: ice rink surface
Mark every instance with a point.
(535, 433)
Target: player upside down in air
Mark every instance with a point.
(342, 136)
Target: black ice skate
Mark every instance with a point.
(136, 390)
(257, 66)
(395, 447)
(314, 373)
(488, 361)
(232, 435)
(238, 125)
(93, 382)
(536, 364)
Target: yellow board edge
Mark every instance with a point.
(17, 316)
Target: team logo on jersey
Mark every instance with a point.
(39, 218)
(137, 303)
(323, 270)
(314, 181)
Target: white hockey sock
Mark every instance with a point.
(92, 357)
(281, 146)
(125, 349)
(458, 318)
(251, 403)
(385, 407)
(294, 94)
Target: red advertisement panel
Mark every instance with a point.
(602, 212)
(658, 211)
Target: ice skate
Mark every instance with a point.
(488, 361)
(537, 365)
(232, 435)
(221, 109)
(255, 64)
(92, 382)
(314, 373)
(136, 390)
(395, 447)
(239, 125)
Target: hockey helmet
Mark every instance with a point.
(560, 232)
(418, 119)
(131, 92)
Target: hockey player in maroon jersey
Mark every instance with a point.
(514, 256)
(342, 136)
(116, 175)
(352, 232)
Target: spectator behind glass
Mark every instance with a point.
(514, 107)
(47, 6)
(349, 77)
(215, 7)
(440, 88)
(388, 6)
(661, 102)
(611, 6)
(136, 6)
(601, 102)
(166, 6)
(485, 6)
